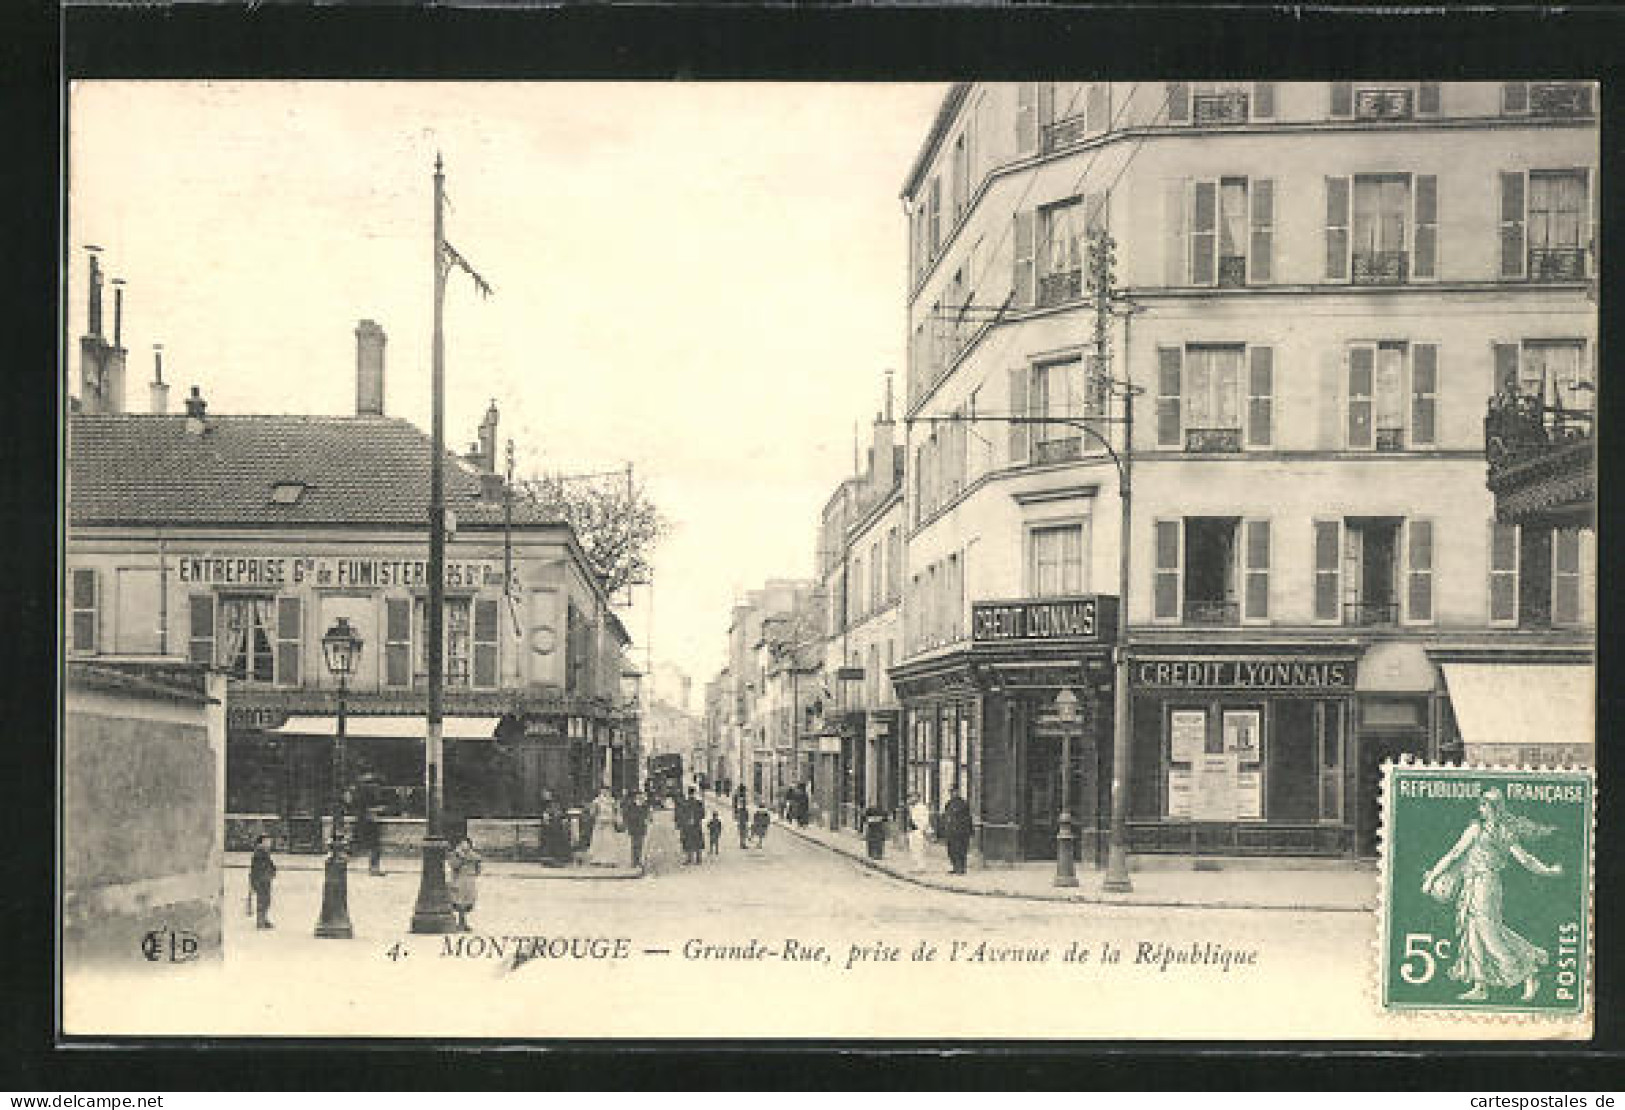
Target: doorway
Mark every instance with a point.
(1042, 795)
(1377, 748)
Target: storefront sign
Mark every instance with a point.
(1245, 674)
(338, 571)
(255, 716)
(1062, 618)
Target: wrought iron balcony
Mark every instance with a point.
(1212, 612)
(1542, 459)
(1064, 133)
(1060, 287)
(1566, 99)
(1380, 267)
(1233, 271)
(1219, 108)
(1383, 104)
(1058, 450)
(1368, 613)
(1557, 264)
(1390, 439)
(1213, 439)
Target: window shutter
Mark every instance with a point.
(1022, 279)
(1513, 254)
(1503, 573)
(1260, 396)
(1362, 364)
(1329, 398)
(1099, 107)
(1425, 259)
(1342, 98)
(1594, 221)
(289, 634)
(397, 641)
(1428, 98)
(84, 611)
(1419, 571)
(1588, 577)
(1263, 99)
(1565, 576)
(1166, 589)
(1424, 394)
(1328, 569)
(1204, 232)
(1026, 117)
(1046, 103)
(201, 607)
(1256, 598)
(934, 217)
(1337, 228)
(1515, 97)
(485, 641)
(1169, 365)
(1020, 434)
(1260, 256)
(1506, 367)
(1179, 102)
(1174, 267)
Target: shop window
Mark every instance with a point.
(82, 594)
(245, 637)
(1055, 560)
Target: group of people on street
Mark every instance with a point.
(694, 831)
(797, 804)
(752, 824)
(953, 827)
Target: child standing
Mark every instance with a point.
(261, 874)
(465, 869)
(713, 831)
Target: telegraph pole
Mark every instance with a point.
(433, 913)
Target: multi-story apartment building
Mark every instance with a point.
(860, 567)
(745, 722)
(1318, 288)
(238, 541)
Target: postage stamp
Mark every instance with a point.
(1486, 890)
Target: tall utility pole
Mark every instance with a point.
(433, 913)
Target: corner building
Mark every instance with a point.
(1322, 286)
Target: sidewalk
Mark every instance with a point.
(397, 865)
(1339, 890)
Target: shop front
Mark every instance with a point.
(1247, 754)
(1536, 711)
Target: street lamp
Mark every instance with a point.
(1066, 872)
(341, 647)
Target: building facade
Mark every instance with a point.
(762, 748)
(1317, 581)
(238, 541)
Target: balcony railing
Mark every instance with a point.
(1557, 264)
(1213, 439)
(1232, 271)
(1390, 439)
(1368, 613)
(1058, 450)
(1519, 426)
(1383, 104)
(1212, 612)
(1064, 133)
(1560, 100)
(1060, 287)
(1219, 108)
(1379, 267)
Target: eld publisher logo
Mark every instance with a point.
(169, 946)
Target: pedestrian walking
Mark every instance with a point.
(369, 838)
(690, 817)
(713, 831)
(956, 830)
(556, 847)
(759, 822)
(874, 830)
(608, 847)
(635, 819)
(919, 830)
(261, 874)
(465, 870)
(742, 815)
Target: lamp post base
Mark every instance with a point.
(1066, 863)
(1117, 880)
(334, 923)
(433, 912)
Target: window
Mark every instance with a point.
(1389, 100)
(1069, 111)
(287, 493)
(1557, 372)
(1232, 231)
(1056, 394)
(1382, 229)
(244, 646)
(289, 639)
(1208, 104)
(82, 595)
(894, 565)
(1060, 252)
(1210, 595)
(1055, 559)
(1211, 397)
(485, 642)
(933, 217)
(1384, 574)
(459, 641)
(1392, 395)
(201, 631)
(1542, 577)
(1546, 98)
(397, 641)
(961, 176)
(1545, 225)
(1211, 570)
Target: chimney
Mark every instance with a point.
(94, 327)
(488, 439)
(369, 369)
(92, 347)
(880, 475)
(158, 389)
(113, 366)
(195, 406)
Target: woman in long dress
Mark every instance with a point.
(919, 832)
(465, 870)
(610, 845)
(1488, 953)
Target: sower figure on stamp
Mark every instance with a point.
(1488, 954)
(261, 874)
(956, 830)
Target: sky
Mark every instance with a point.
(704, 280)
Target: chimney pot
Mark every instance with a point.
(195, 409)
(369, 369)
(158, 389)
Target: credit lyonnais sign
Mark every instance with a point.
(345, 571)
(1245, 674)
(1060, 618)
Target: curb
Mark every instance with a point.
(539, 874)
(1075, 899)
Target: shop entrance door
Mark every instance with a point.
(1376, 749)
(1043, 797)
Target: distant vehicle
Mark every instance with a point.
(666, 775)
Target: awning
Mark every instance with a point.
(385, 728)
(1523, 704)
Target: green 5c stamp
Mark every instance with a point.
(1486, 890)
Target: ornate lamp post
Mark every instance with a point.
(1066, 871)
(341, 647)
